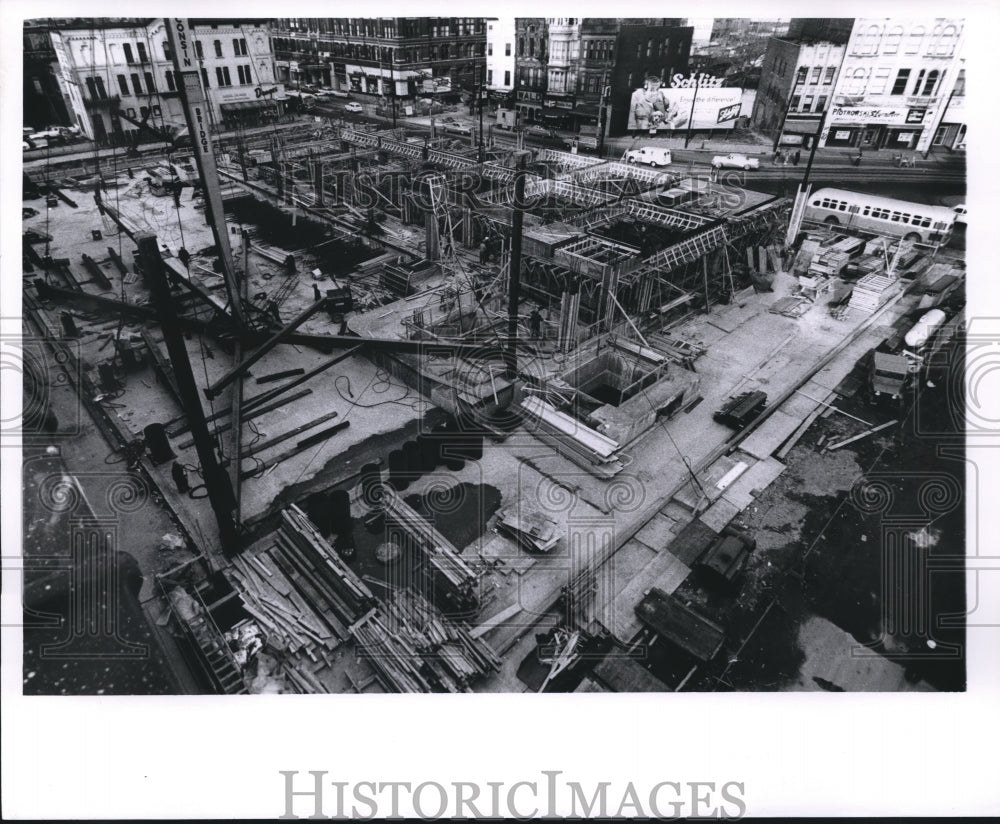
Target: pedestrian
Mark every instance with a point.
(177, 195)
(784, 159)
(777, 155)
(185, 257)
(483, 249)
(857, 159)
(317, 295)
(535, 320)
(796, 156)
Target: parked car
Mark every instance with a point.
(960, 212)
(735, 161)
(650, 155)
(354, 106)
(581, 141)
(534, 130)
(456, 128)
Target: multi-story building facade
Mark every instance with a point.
(405, 57)
(895, 83)
(644, 51)
(578, 73)
(501, 62)
(43, 101)
(531, 76)
(119, 76)
(796, 86)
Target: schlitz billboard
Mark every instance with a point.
(668, 108)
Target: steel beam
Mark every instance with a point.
(216, 481)
(214, 389)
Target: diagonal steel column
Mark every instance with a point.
(180, 37)
(220, 495)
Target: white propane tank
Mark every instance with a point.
(924, 328)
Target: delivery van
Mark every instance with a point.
(650, 155)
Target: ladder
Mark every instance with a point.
(215, 651)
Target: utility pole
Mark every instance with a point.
(602, 126)
(812, 153)
(697, 81)
(784, 118)
(514, 274)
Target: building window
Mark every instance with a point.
(506, 50)
(808, 103)
(944, 45)
(930, 84)
(796, 99)
(127, 49)
(136, 85)
(156, 111)
(506, 78)
(199, 50)
(879, 81)
(244, 75)
(489, 49)
(902, 78)
(150, 84)
(204, 78)
(828, 77)
(123, 84)
(222, 76)
(489, 77)
(142, 52)
(171, 83)
(218, 47)
(821, 103)
(868, 43)
(166, 51)
(915, 39)
(817, 70)
(239, 47)
(892, 40)
(800, 77)
(857, 83)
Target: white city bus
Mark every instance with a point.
(881, 215)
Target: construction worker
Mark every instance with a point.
(317, 295)
(535, 321)
(184, 256)
(483, 253)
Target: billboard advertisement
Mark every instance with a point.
(668, 108)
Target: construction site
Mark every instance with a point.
(428, 415)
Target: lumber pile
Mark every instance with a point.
(448, 571)
(413, 647)
(300, 592)
(871, 292)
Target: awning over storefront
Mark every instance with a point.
(246, 105)
(801, 126)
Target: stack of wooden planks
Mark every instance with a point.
(451, 574)
(871, 292)
(415, 648)
(302, 595)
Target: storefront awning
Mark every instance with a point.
(246, 105)
(801, 126)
